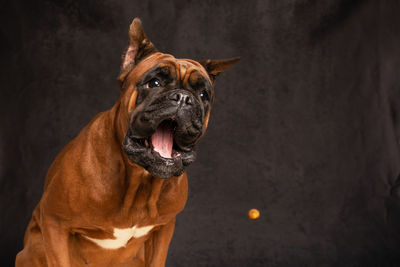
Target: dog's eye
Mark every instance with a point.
(204, 95)
(153, 83)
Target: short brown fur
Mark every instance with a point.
(92, 187)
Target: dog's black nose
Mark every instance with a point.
(181, 98)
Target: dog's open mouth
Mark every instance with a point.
(159, 153)
(162, 140)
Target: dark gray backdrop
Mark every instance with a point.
(304, 128)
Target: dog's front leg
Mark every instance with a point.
(160, 243)
(55, 237)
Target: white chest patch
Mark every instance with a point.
(122, 236)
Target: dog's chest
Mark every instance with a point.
(121, 236)
(152, 206)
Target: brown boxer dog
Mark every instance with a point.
(111, 196)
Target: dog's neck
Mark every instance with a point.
(120, 120)
(133, 177)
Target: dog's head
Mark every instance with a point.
(167, 102)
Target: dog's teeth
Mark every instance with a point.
(176, 154)
(146, 143)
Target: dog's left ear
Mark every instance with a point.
(215, 67)
(139, 47)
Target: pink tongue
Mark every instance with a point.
(162, 141)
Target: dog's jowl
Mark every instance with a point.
(111, 196)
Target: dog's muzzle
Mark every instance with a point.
(162, 136)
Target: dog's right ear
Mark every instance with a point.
(215, 67)
(139, 47)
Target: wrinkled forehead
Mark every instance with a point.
(183, 70)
